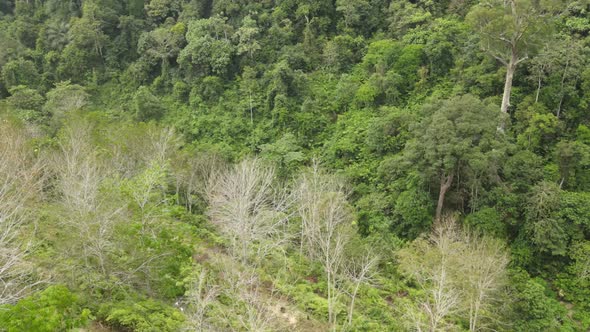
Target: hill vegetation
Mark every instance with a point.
(294, 165)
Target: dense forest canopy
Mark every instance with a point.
(294, 165)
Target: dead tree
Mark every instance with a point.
(326, 226)
(20, 185)
(247, 206)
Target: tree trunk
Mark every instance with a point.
(251, 111)
(445, 184)
(538, 89)
(164, 67)
(331, 304)
(353, 297)
(474, 315)
(561, 93)
(510, 69)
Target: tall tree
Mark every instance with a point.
(57, 35)
(556, 71)
(209, 48)
(159, 10)
(511, 31)
(162, 44)
(457, 138)
(247, 37)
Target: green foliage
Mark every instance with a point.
(285, 153)
(575, 210)
(209, 49)
(442, 44)
(574, 284)
(523, 169)
(525, 21)
(311, 302)
(160, 9)
(372, 218)
(573, 159)
(66, 97)
(412, 213)
(146, 106)
(20, 72)
(533, 309)
(53, 309)
(23, 98)
(541, 133)
(487, 221)
(398, 97)
(343, 52)
(142, 316)
(27, 102)
(406, 15)
(548, 231)
(162, 45)
(247, 37)
(555, 218)
(390, 132)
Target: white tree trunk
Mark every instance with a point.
(510, 69)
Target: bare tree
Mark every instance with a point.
(78, 168)
(444, 298)
(163, 142)
(484, 265)
(199, 299)
(326, 226)
(257, 302)
(80, 177)
(245, 204)
(20, 184)
(134, 147)
(460, 271)
(147, 190)
(430, 262)
(193, 174)
(95, 199)
(359, 270)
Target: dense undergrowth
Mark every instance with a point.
(368, 165)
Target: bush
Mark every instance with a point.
(413, 211)
(488, 221)
(147, 106)
(54, 309)
(142, 316)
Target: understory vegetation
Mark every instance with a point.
(294, 165)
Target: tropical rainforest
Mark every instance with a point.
(294, 165)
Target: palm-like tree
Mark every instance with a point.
(63, 8)
(57, 35)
